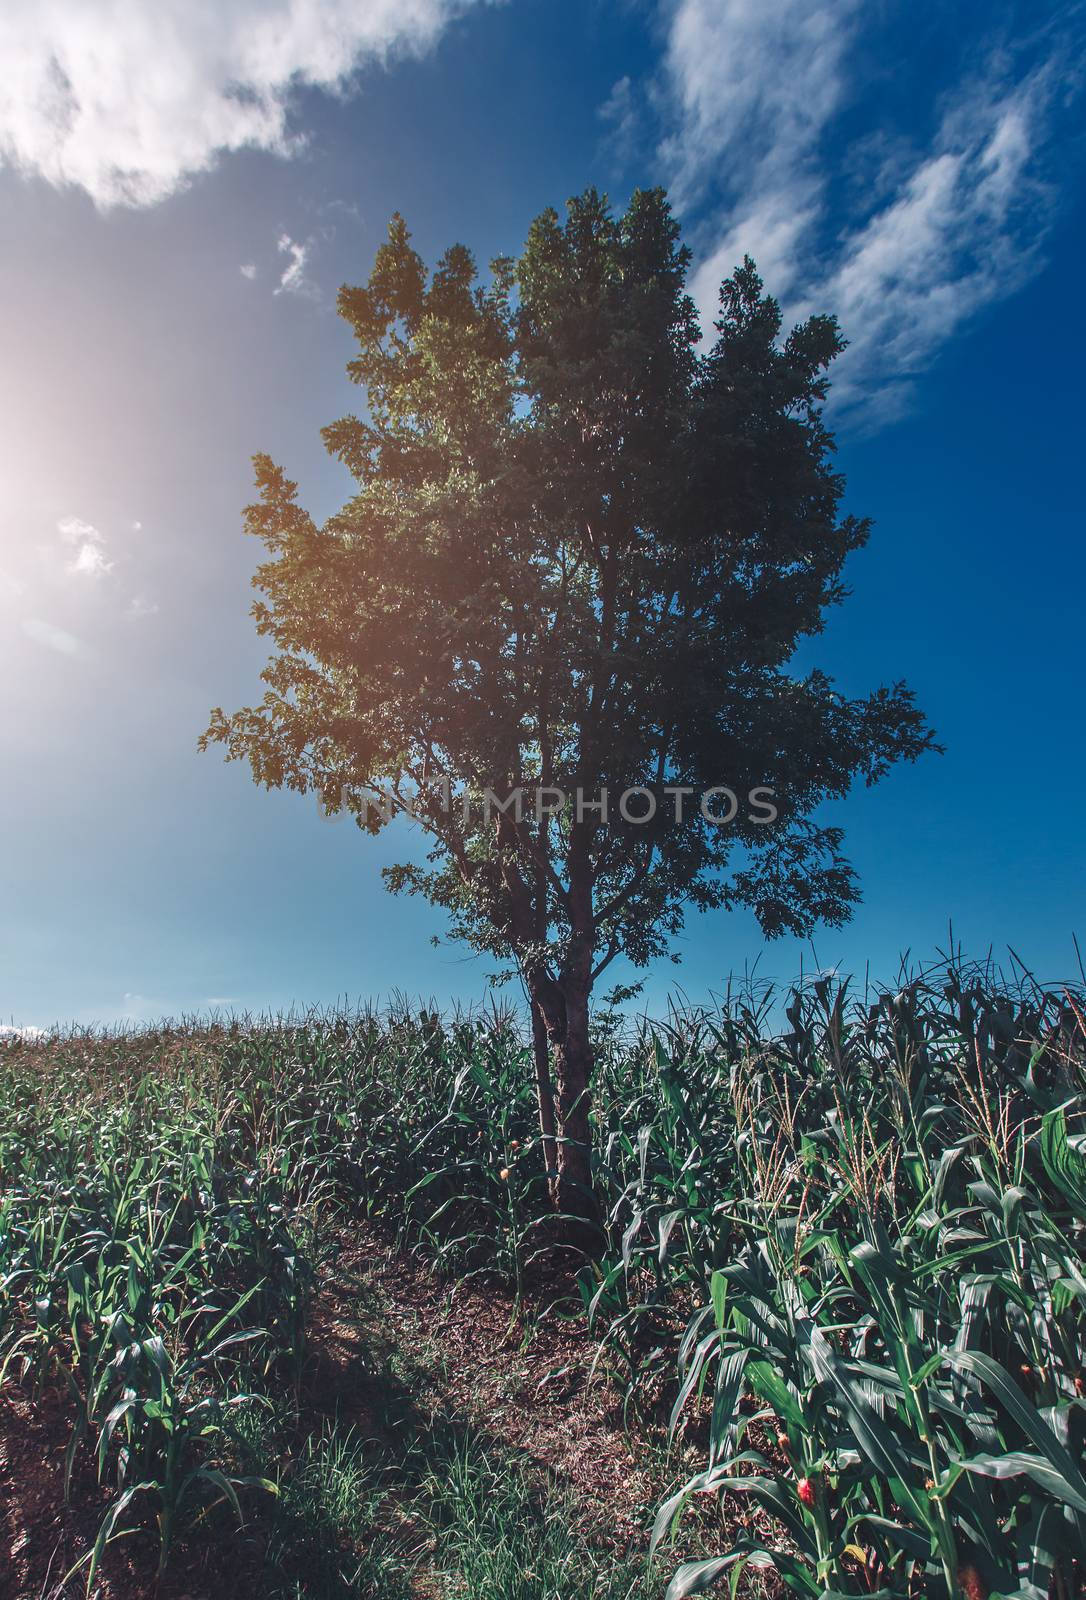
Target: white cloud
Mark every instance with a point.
(128, 100)
(248, 270)
(756, 81)
(755, 88)
(89, 560)
(293, 279)
(620, 112)
(771, 229)
(30, 1033)
(753, 85)
(961, 232)
(73, 530)
(139, 606)
(53, 638)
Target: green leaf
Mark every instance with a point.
(697, 1576)
(724, 1426)
(718, 1289)
(1040, 1538)
(1018, 1462)
(1064, 1163)
(767, 1382)
(874, 1438)
(668, 1223)
(1026, 1415)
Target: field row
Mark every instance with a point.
(842, 1260)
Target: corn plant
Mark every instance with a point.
(908, 1318)
(843, 1247)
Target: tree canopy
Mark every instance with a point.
(583, 549)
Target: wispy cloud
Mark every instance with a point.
(53, 638)
(293, 279)
(756, 92)
(754, 83)
(965, 229)
(89, 560)
(621, 115)
(140, 606)
(129, 101)
(248, 270)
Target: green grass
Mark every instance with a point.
(844, 1252)
(326, 1534)
(362, 1517)
(498, 1538)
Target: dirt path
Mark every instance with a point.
(397, 1354)
(465, 1355)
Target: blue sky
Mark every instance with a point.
(182, 190)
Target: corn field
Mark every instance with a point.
(843, 1262)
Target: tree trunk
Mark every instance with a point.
(563, 1007)
(545, 1097)
(573, 1072)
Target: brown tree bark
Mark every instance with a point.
(544, 1084)
(573, 1074)
(563, 1006)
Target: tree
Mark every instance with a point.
(581, 555)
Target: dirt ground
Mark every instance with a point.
(460, 1352)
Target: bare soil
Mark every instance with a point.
(394, 1346)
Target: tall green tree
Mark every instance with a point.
(582, 552)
